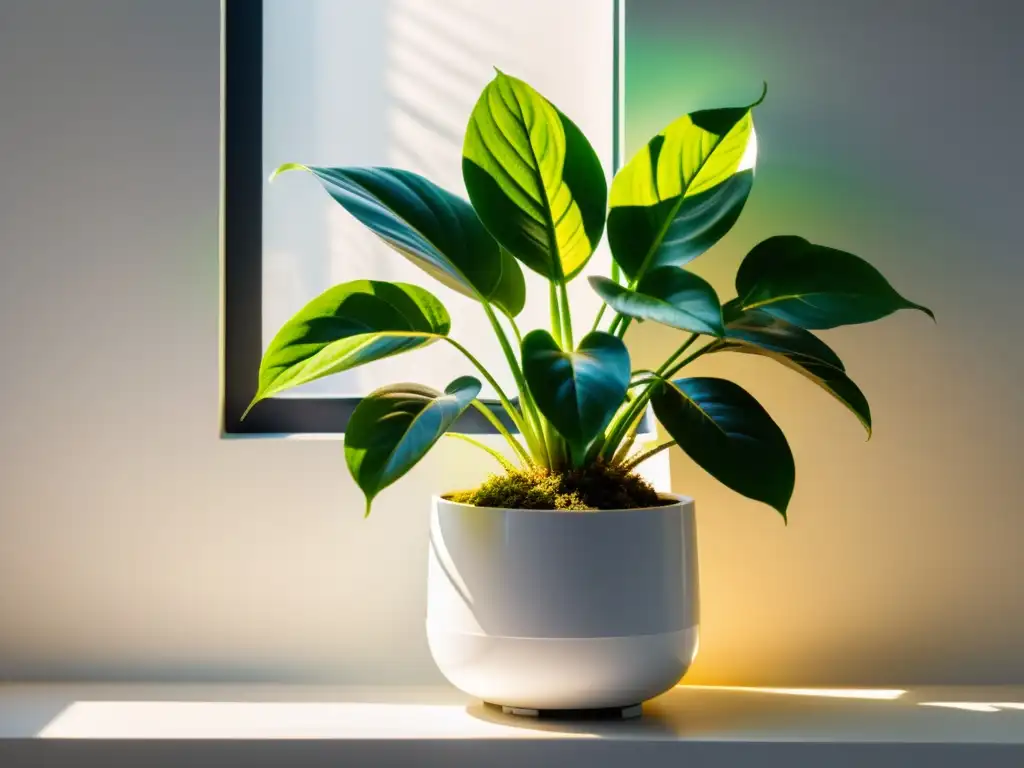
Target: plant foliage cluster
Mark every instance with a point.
(538, 197)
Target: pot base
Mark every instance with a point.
(569, 673)
(601, 713)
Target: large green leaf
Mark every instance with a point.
(683, 191)
(436, 230)
(534, 179)
(349, 325)
(667, 295)
(395, 426)
(728, 433)
(756, 332)
(578, 391)
(814, 286)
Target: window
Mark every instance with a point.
(378, 82)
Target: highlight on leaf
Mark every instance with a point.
(534, 179)
(346, 326)
(683, 191)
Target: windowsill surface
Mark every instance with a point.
(299, 725)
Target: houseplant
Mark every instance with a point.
(566, 582)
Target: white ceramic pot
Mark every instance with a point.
(545, 610)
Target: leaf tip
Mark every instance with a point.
(285, 167)
(764, 92)
(250, 407)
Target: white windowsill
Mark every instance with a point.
(225, 725)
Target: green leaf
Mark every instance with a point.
(813, 286)
(436, 230)
(667, 295)
(349, 325)
(395, 426)
(728, 433)
(534, 179)
(683, 191)
(756, 332)
(578, 392)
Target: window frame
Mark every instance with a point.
(242, 186)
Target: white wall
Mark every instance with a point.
(136, 543)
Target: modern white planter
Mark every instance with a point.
(550, 610)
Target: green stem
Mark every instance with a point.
(515, 329)
(505, 402)
(624, 327)
(556, 315)
(637, 460)
(703, 350)
(676, 355)
(527, 424)
(629, 439)
(466, 438)
(617, 432)
(597, 320)
(555, 446)
(621, 427)
(566, 317)
(503, 431)
(542, 449)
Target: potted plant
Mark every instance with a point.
(566, 582)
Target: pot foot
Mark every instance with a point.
(604, 713)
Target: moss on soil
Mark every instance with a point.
(599, 486)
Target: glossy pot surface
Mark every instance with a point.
(540, 609)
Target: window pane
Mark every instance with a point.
(392, 82)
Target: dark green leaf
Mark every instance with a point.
(534, 179)
(667, 295)
(395, 426)
(436, 230)
(349, 325)
(683, 191)
(578, 392)
(756, 332)
(728, 433)
(813, 286)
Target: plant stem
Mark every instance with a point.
(556, 315)
(617, 430)
(503, 431)
(515, 329)
(566, 317)
(637, 460)
(505, 402)
(628, 439)
(621, 425)
(679, 366)
(625, 325)
(527, 424)
(554, 445)
(624, 427)
(597, 320)
(675, 355)
(466, 438)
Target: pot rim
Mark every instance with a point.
(678, 502)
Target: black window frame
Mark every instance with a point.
(242, 185)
